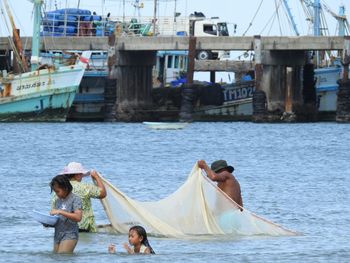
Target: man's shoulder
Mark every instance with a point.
(232, 178)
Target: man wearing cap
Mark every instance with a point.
(75, 172)
(221, 173)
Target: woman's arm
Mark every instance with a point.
(96, 177)
(74, 216)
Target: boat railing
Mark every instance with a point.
(97, 64)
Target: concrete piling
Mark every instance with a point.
(343, 102)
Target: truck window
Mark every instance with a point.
(210, 29)
(222, 29)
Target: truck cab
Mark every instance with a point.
(200, 26)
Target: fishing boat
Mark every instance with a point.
(46, 92)
(238, 101)
(328, 71)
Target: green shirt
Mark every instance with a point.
(85, 191)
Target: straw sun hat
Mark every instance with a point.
(74, 168)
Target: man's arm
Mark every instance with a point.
(97, 179)
(210, 173)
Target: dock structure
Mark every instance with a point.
(285, 87)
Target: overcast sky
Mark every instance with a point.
(241, 12)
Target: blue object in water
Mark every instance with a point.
(44, 218)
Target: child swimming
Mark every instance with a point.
(138, 241)
(68, 207)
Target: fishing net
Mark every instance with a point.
(198, 207)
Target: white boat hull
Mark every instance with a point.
(41, 95)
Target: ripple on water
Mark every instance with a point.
(295, 175)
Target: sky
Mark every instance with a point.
(253, 17)
(260, 13)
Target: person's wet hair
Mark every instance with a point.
(62, 182)
(142, 232)
(70, 176)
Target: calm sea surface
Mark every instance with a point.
(296, 175)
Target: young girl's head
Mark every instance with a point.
(61, 186)
(138, 235)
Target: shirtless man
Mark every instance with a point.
(221, 173)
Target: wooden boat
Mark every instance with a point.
(165, 125)
(45, 93)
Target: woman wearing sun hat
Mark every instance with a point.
(75, 172)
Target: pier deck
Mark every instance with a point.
(181, 43)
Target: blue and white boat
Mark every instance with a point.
(327, 77)
(46, 92)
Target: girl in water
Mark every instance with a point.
(138, 241)
(68, 207)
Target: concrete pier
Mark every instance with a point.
(132, 75)
(343, 102)
(134, 85)
(285, 88)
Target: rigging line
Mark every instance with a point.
(288, 21)
(278, 16)
(251, 22)
(323, 23)
(268, 22)
(273, 16)
(308, 15)
(273, 20)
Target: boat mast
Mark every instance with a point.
(341, 22)
(291, 18)
(34, 60)
(317, 18)
(154, 17)
(317, 27)
(18, 43)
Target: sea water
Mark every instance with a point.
(296, 175)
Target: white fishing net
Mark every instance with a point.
(198, 207)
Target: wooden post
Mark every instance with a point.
(288, 98)
(191, 57)
(346, 58)
(19, 66)
(212, 76)
(258, 62)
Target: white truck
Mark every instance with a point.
(200, 26)
(194, 25)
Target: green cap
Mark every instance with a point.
(220, 164)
